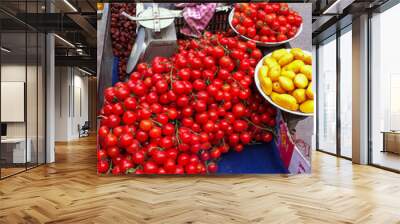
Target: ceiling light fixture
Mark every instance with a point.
(5, 49)
(338, 7)
(327, 11)
(70, 5)
(84, 71)
(64, 40)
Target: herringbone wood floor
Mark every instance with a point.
(69, 191)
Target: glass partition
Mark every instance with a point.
(385, 89)
(326, 120)
(14, 153)
(346, 92)
(22, 77)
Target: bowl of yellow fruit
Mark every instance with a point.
(284, 78)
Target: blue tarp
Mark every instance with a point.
(258, 158)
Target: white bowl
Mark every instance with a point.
(257, 81)
(260, 43)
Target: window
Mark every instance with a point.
(385, 89)
(327, 96)
(22, 75)
(346, 92)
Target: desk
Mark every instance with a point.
(15, 148)
(391, 141)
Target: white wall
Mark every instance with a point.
(71, 94)
(16, 73)
(33, 127)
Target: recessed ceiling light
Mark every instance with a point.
(84, 71)
(5, 50)
(70, 5)
(64, 40)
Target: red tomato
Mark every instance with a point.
(102, 166)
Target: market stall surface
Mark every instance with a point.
(70, 191)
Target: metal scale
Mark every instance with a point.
(156, 34)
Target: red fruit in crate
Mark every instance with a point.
(138, 157)
(168, 129)
(245, 138)
(238, 110)
(116, 170)
(110, 140)
(113, 121)
(122, 93)
(101, 154)
(113, 151)
(103, 131)
(129, 117)
(130, 103)
(218, 52)
(125, 165)
(141, 136)
(146, 125)
(133, 147)
(150, 167)
(102, 166)
(267, 137)
(238, 148)
(234, 139)
(155, 132)
(205, 156)
(109, 94)
(139, 171)
(126, 140)
(172, 153)
(215, 153)
(170, 165)
(159, 156)
(240, 125)
(183, 159)
(212, 167)
(191, 168)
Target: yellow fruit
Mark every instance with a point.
(274, 73)
(307, 107)
(276, 87)
(307, 59)
(285, 59)
(286, 101)
(274, 96)
(309, 92)
(270, 62)
(263, 71)
(266, 85)
(300, 81)
(307, 70)
(300, 95)
(297, 53)
(294, 66)
(286, 83)
(288, 73)
(277, 54)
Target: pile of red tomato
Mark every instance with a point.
(266, 22)
(178, 115)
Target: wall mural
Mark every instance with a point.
(205, 88)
